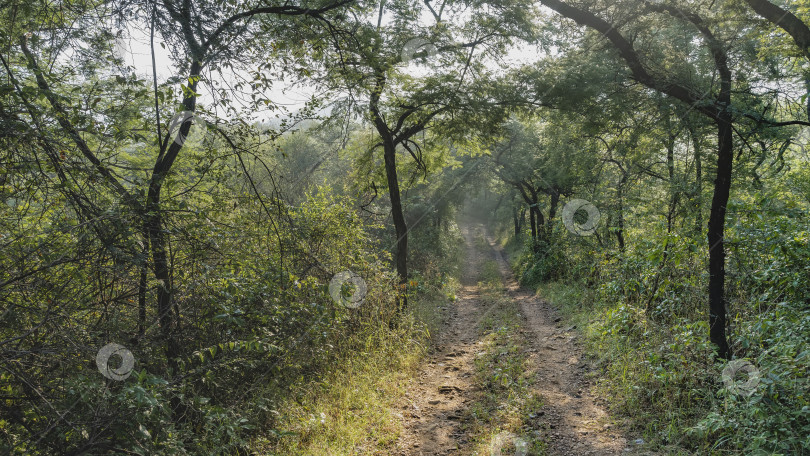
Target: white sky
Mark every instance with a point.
(134, 48)
(137, 54)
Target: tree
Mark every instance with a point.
(374, 58)
(543, 159)
(719, 111)
(111, 160)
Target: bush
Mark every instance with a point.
(540, 261)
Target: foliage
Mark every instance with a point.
(206, 245)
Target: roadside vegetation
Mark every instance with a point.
(644, 329)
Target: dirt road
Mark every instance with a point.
(570, 421)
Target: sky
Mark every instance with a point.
(136, 52)
(134, 47)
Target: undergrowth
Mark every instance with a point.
(645, 327)
(351, 409)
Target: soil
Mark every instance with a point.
(571, 421)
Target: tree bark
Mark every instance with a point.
(522, 218)
(620, 215)
(534, 213)
(722, 189)
(552, 211)
(717, 252)
(400, 226)
(540, 219)
(390, 158)
(155, 224)
(697, 197)
(673, 191)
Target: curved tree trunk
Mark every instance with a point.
(390, 157)
(155, 225)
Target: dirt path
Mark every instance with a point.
(445, 386)
(570, 421)
(574, 424)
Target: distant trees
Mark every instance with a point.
(543, 161)
(406, 78)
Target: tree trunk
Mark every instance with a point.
(522, 218)
(717, 252)
(154, 224)
(536, 215)
(541, 222)
(390, 157)
(142, 302)
(697, 199)
(540, 228)
(401, 254)
(620, 215)
(552, 211)
(717, 216)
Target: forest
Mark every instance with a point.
(405, 227)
